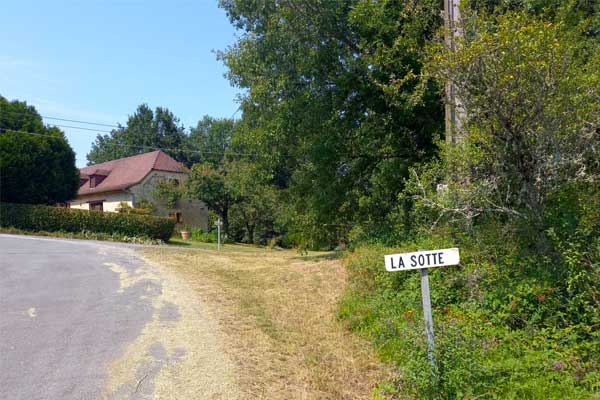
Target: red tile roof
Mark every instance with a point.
(125, 172)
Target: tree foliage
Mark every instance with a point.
(145, 131)
(208, 184)
(335, 107)
(37, 167)
(519, 195)
(255, 211)
(532, 116)
(239, 193)
(209, 140)
(582, 16)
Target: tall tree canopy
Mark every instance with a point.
(37, 167)
(145, 131)
(335, 106)
(209, 140)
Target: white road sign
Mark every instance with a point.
(421, 259)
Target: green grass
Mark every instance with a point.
(193, 244)
(251, 248)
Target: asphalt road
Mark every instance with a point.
(65, 314)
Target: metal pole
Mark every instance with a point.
(427, 314)
(219, 234)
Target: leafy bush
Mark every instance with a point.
(51, 219)
(201, 236)
(112, 237)
(531, 124)
(143, 207)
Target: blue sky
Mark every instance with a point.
(98, 60)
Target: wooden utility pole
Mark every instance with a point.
(454, 108)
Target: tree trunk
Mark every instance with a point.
(250, 229)
(225, 218)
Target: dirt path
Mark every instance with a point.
(276, 314)
(179, 353)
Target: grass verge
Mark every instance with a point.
(194, 244)
(277, 310)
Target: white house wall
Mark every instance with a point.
(111, 201)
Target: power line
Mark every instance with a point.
(79, 127)
(140, 146)
(81, 122)
(87, 122)
(236, 111)
(61, 119)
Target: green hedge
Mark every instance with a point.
(51, 219)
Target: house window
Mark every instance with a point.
(96, 206)
(96, 179)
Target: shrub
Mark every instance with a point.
(206, 237)
(143, 207)
(532, 123)
(52, 219)
(112, 237)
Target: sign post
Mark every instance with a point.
(426, 299)
(219, 223)
(423, 260)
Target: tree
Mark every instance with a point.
(209, 140)
(255, 208)
(533, 117)
(208, 183)
(239, 192)
(334, 105)
(145, 131)
(37, 165)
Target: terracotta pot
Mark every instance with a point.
(185, 235)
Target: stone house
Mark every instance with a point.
(109, 185)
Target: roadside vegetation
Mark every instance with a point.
(41, 218)
(519, 195)
(84, 235)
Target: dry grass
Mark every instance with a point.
(277, 311)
